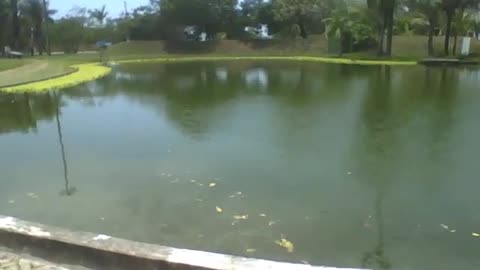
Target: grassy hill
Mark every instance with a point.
(405, 47)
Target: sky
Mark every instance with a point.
(114, 7)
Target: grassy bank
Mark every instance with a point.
(6, 64)
(35, 70)
(407, 51)
(408, 48)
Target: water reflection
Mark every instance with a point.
(357, 166)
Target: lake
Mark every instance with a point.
(356, 166)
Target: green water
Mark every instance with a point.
(356, 166)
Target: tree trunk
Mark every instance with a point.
(15, 24)
(455, 39)
(303, 30)
(45, 19)
(448, 32)
(431, 32)
(390, 30)
(381, 35)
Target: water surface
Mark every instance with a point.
(356, 166)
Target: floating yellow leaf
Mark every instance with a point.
(212, 184)
(238, 217)
(476, 234)
(219, 210)
(285, 244)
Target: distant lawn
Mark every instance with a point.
(35, 70)
(11, 63)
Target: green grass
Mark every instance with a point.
(34, 71)
(6, 64)
(407, 50)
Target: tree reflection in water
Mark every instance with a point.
(68, 191)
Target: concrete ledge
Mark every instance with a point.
(96, 251)
(447, 62)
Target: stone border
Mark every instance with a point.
(99, 251)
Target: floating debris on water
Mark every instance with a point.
(162, 174)
(476, 234)
(273, 222)
(193, 181)
(240, 217)
(263, 215)
(32, 195)
(453, 231)
(285, 244)
(250, 250)
(212, 184)
(349, 173)
(237, 194)
(218, 209)
(235, 222)
(305, 262)
(11, 202)
(102, 218)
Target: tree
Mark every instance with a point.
(33, 10)
(99, 14)
(427, 12)
(3, 24)
(15, 24)
(299, 12)
(450, 7)
(352, 21)
(46, 22)
(210, 16)
(385, 11)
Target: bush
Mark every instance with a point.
(67, 34)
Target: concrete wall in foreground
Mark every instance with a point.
(96, 251)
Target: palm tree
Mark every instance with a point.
(45, 20)
(15, 24)
(99, 14)
(463, 23)
(449, 7)
(385, 11)
(33, 9)
(3, 24)
(427, 13)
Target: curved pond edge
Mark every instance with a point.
(326, 60)
(83, 73)
(98, 251)
(93, 71)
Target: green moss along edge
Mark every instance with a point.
(93, 71)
